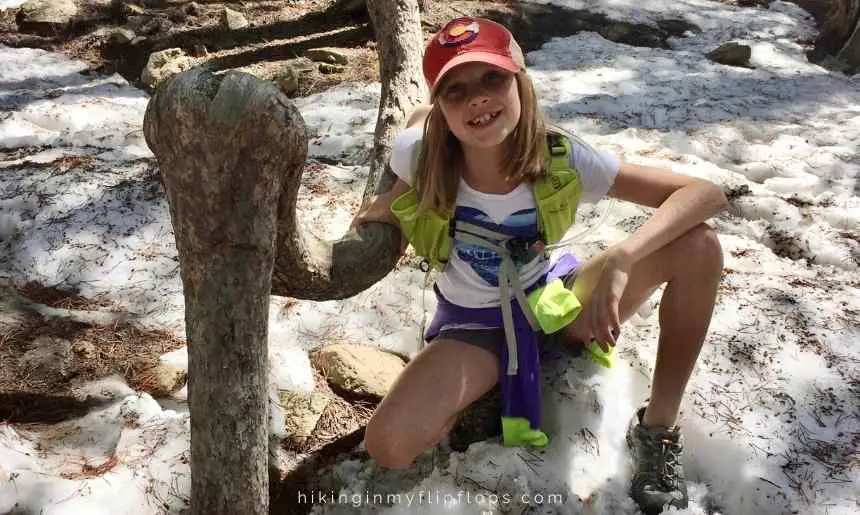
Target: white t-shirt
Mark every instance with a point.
(470, 278)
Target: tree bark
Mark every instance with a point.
(231, 149)
(223, 144)
(850, 51)
(397, 25)
(309, 268)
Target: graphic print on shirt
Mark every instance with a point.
(485, 262)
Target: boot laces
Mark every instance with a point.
(670, 450)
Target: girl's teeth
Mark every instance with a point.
(483, 119)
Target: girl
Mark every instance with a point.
(483, 160)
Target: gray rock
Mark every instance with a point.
(45, 16)
(50, 358)
(164, 64)
(136, 22)
(327, 55)
(233, 20)
(731, 54)
(199, 50)
(128, 10)
(288, 80)
(193, 9)
(156, 26)
(85, 351)
(121, 36)
(329, 69)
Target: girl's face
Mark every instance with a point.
(480, 103)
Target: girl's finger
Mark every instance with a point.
(604, 329)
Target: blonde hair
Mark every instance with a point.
(441, 159)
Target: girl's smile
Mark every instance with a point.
(481, 104)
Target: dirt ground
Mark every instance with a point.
(278, 34)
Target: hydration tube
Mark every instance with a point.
(573, 238)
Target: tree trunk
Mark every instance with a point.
(309, 268)
(223, 144)
(231, 149)
(850, 51)
(397, 25)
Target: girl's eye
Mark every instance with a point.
(494, 79)
(454, 92)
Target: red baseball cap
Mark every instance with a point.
(465, 40)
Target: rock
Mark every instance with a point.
(121, 36)
(288, 80)
(359, 369)
(731, 54)
(49, 357)
(233, 20)
(178, 14)
(329, 69)
(84, 350)
(45, 16)
(160, 380)
(302, 411)
(327, 55)
(156, 26)
(164, 64)
(128, 10)
(199, 50)
(632, 34)
(193, 9)
(136, 22)
(13, 314)
(678, 27)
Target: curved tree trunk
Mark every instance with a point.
(223, 143)
(308, 268)
(850, 51)
(231, 149)
(839, 36)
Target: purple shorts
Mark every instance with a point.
(491, 336)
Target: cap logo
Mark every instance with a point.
(459, 32)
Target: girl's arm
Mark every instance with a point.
(378, 209)
(682, 203)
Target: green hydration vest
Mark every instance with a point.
(548, 308)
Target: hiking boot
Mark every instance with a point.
(658, 478)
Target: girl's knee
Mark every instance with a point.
(702, 245)
(385, 443)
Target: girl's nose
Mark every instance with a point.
(479, 99)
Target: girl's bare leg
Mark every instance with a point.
(423, 403)
(692, 266)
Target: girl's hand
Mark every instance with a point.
(599, 319)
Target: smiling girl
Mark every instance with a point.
(483, 188)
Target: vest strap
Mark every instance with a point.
(509, 279)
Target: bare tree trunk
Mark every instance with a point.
(850, 51)
(309, 268)
(231, 149)
(223, 144)
(397, 25)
